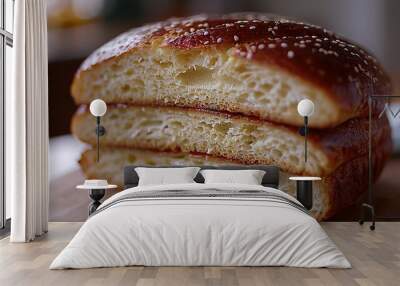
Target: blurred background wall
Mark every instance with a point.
(78, 27)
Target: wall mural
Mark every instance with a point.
(205, 91)
(169, 91)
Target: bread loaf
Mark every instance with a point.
(227, 88)
(242, 139)
(336, 191)
(256, 65)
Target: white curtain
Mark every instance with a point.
(27, 124)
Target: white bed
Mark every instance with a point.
(185, 230)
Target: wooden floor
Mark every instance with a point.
(375, 257)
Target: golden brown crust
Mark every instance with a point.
(347, 72)
(350, 180)
(350, 139)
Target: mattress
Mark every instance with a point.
(201, 225)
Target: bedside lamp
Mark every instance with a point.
(304, 190)
(305, 108)
(98, 108)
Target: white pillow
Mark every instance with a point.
(163, 176)
(248, 177)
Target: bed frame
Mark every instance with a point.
(271, 177)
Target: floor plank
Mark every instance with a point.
(375, 257)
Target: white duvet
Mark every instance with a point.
(200, 231)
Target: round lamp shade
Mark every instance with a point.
(305, 107)
(98, 107)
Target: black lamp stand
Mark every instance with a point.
(304, 187)
(304, 193)
(304, 132)
(100, 131)
(96, 195)
(305, 137)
